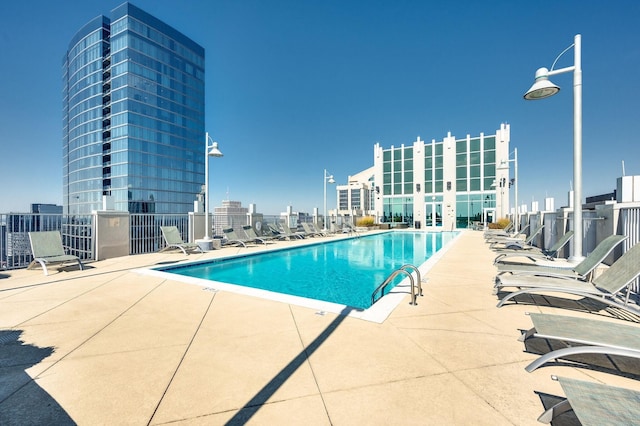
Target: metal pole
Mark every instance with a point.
(324, 219)
(206, 187)
(517, 216)
(577, 149)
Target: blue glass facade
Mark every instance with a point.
(133, 116)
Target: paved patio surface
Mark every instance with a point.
(109, 345)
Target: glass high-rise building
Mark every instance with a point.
(133, 116)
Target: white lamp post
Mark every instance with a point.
(543, 88)
(515, 177)
(327, 178)
(209, 151)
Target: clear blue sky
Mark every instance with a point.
(297, 86)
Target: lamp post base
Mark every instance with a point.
(209, 244)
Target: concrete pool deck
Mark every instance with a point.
(109, 345)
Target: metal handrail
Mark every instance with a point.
(393, 275)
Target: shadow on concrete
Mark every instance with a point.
(22, 401)
(251, 408)
(586, 305)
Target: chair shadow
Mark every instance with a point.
(4, 276)
(586, 305)
(69, 268)
(565, 419)
(22, 401)
(611, 364)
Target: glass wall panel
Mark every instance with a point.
(490, 143)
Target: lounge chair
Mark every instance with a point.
(584, 336)
(517, 242)
(349, 229)
(337, 229)
(596, 404)
(534, 253)
(253, 237)
(231, 238)
(287, 232)
(47, 250)
(174, 241)
(309, 231)
(604, 288)
(505, 232)
(316, 228)
(563, 268)
(497, 237)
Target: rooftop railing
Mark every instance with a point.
(79, 231)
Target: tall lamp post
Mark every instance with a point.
(327, 178)
(543, 88)
(209, 151)
(515, 177)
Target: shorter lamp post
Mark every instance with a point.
(209, 151)
(516, 210)
(327, 178)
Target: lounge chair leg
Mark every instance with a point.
(44, 267)
(555, 411)
(527, 334)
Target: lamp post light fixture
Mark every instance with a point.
(209, 151)
(327, 178)
(543, 88)
(515, 176)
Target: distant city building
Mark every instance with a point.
(46, 208)
(357, 197)
(230, 215)
(133, 116)
(449, 183)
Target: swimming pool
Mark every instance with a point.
(344, 272)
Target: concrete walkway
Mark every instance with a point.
(111, 346)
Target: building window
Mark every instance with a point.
(398, 210)
(355, 198)
(343, 199)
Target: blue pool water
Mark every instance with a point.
(344, 272)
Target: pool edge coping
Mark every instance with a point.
(377, 313)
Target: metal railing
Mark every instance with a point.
(401, 270)
(145, 235)
(15, 249)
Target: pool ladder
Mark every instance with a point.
(393, 275)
